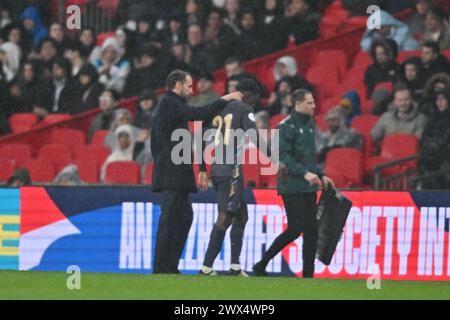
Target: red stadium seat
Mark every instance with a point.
(59, 154)
(70, 137)
(251, 169)
(6, 169)
(364, 123)
(394, 147)
(123, 172)
(41, 170)
(323, 78)
(357, 21)
(88, 170)
(362, 60)
(321, 123)
(101, 37)
(98, 153)
(53, 118)
(276, 119)
(345, 167)
(15, 151)
(403, 55)
(332, 59)
(446, 53)
(148, 178)
(99, 137)
(21, 122)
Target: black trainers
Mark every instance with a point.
(259, 270)
(239, 272)
(211, 273)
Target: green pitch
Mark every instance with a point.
(52, 285)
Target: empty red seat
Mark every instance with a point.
(21, 122)
(71, 137)
(394, 147)
(6, 169)
(364, 123)
(41, 170)
(324, 78)
(276, 119)
(332, 59)
(99, 137)
(15, 151)
(148, 178)
(98, 153)
(362, 60)
(59, 154)
(321, 123)
(345, 167)
(122, 172)
(356, 21)
(403, 55)
(88, 170)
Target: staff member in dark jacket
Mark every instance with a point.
(297, 182)
(175, 181)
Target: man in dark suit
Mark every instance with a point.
(175, 181)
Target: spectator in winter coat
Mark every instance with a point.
(402, 117)
(88, 87)
(113, 69)
(383, 68)
(32, 22)
(436, 30)
(391, 28)
(339, 134)
(435, 142)
(410, 73)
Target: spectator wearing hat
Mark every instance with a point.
(112, 66)
(62, 88)
(436, 83)
(436, 30)
(146, 106)
(206, 93)
(339, 135)
(32, 22)
(88, 87)
(351, 106)
(147, 74)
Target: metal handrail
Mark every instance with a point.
(378, 181)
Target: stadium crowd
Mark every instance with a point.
(45, 69)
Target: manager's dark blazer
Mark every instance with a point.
(173, 113)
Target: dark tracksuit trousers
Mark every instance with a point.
(301, 210)
(173, 229)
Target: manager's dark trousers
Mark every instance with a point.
(173, 229)
(301, 211)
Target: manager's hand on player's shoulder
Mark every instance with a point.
(233, 96)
